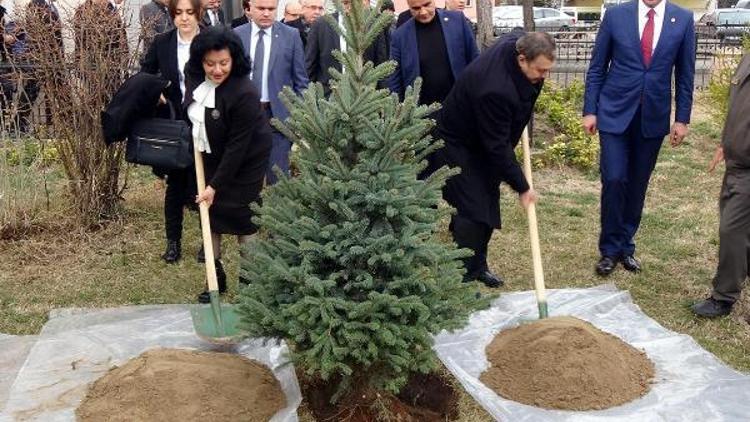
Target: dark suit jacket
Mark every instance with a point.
(135, 99)
(618, 82)
(481, 122)
(161, 59)
(303, 29)
(239, 21)
(206, 21)
(735, 138)
(240, 139)
(403, 17)
(459, 42)
(52, 35)
(323, 39)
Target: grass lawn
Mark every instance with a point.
(677, 243)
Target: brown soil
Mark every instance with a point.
(184, 385)
(566, 363)
(425, 398)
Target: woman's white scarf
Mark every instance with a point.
(204, 96)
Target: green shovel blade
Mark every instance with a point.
(216, 322)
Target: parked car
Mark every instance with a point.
(726, 25)
(742, 4)
(584, 17)
(505, 18)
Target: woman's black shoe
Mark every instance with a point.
(173, 252)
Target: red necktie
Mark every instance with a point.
(647, 39)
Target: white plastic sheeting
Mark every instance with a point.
(76, 347)
(13, 352)
(690, 385)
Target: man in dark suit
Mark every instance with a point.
(213, 15)
(311, 11)
(481, 122)
(436, 46)
(628, 99)
(292, 12)
(154, 19)
(734, 201)
(278, 61)
(323, 39)
(245, 18)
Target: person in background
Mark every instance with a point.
(734, 200)
(311, 11)
(278, 60)
(628, 99)
(481, 123)
(154, 19)
(292, 12)
(388, 7)
(245, 18)
(231, 131)
(167, 56)
(213, 15)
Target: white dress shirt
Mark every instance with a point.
(342, 40)
(658, 20)
(263, 85)
(212, 16)
(183, 55)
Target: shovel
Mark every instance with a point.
(536, 254)
(215, 323)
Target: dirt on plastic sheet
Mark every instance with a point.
(184, 385)
(566, 363)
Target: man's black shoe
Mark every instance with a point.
(173, 252)
(605, 266)
(490, 280)
(712, 308)
(631, 264)
(201, 256)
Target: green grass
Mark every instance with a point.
(677, 243)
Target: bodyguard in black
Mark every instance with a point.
(481, 122)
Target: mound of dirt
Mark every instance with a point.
(184, 385)
(566, 363)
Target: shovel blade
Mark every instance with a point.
(216, 323)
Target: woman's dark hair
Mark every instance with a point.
(213, 39)
(195, 4)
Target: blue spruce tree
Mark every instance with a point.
(348, 267)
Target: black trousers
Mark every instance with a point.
(178, 195)
(475, 236)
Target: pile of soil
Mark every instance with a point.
(425, 398)
(566, 363)
(184, 385)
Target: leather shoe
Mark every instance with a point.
(712, 308)
(490, 280)
(631, 264)
(605, 266)
(173, 252)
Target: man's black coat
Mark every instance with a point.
(481, 123)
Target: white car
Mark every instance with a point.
(505, 18)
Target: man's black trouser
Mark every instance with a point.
(475, 236)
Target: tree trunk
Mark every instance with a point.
(528, 15)
(485, 28)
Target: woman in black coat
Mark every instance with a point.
(167, 55)
(231, 130)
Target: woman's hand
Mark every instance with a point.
(206, 196)
(162, 100)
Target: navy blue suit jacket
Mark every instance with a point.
(286, 65)
(618, 81)
(459, 41)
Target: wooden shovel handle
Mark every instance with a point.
(536, 254)
(208, 246)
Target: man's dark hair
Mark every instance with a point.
(535, 44)
(216, 38)
(245, 4)
(195, 4)
(387, 5)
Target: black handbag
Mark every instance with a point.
(162, 143)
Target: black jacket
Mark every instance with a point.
(481, 123)
(239, 21)
(206, 21)
(136, 98)
(161, 59)
(302, 28)
(323, 39)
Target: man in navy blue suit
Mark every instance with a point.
(628, 99)
(436, 45)
(278, 60)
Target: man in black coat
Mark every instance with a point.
(481, 122)
(239, 21)
(323, 39)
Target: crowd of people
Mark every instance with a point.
(226, 78)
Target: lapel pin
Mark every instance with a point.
(215, 114)
(673, 20)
